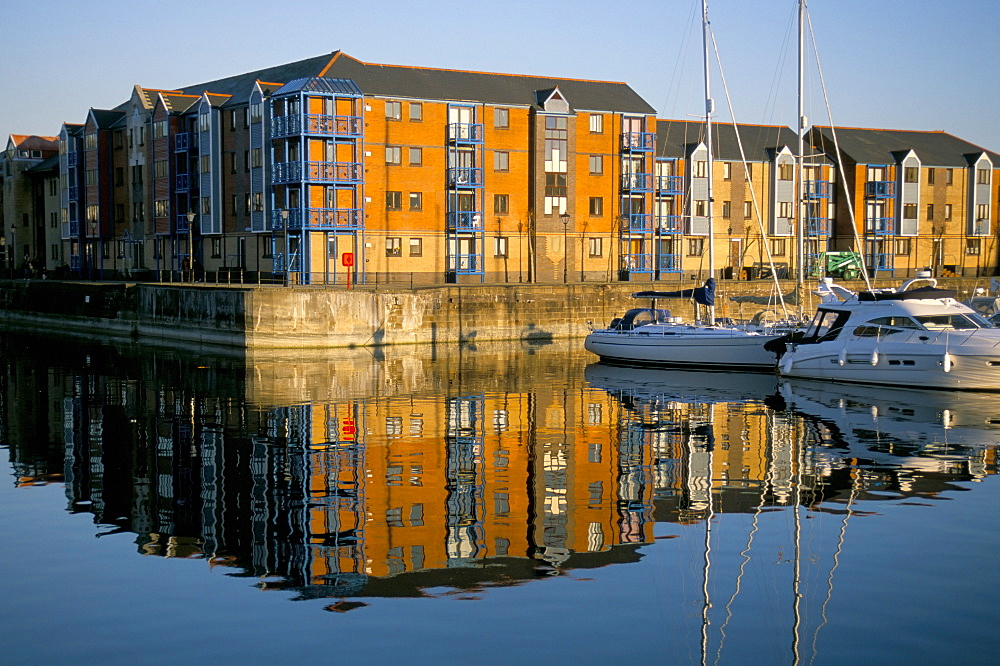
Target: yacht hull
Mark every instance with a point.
(681, 346)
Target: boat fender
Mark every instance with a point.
(946, 362)
(842, 357)
(786, 367)
(875, 357)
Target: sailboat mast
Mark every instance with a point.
(709, 108)
(800, 230)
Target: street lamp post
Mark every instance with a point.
(565, 221)
(284, 226)
(190, 219)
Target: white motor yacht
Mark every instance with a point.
(918, 337)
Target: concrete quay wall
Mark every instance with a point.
(316, 317)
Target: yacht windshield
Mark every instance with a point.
(951, 322)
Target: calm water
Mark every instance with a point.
(487, 505)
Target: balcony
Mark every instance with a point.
(72, 159)
(465, 133)
(637, 182)
(670, 224)
(638, 262)
(347, 173)
(642, 142)
(75, 262)
(74, 192)
(817, 189)
(181, 224)
(817, 227)
(465, 264)
(317, 125)
(181, 184)
(880, 189)
(319, 219)
(880, 226)
(670, 184)
(70, 229)
(466, 220)
(639, 223)
(669, 263)
(465, 177)
(181, 142)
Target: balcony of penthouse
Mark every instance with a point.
(332, 173)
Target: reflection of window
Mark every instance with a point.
(393, 247)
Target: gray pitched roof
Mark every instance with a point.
(443, 84)
(883, 146)
(676, 138)
(48, 164)
(105, 118)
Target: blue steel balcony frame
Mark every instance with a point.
(465, 264)
(669, 263)
(639, 223)
(181, 224)
(74, 228)
(880, 261)
(347, 173)
(312, 124)
(670, 224)
(817, 227)
(465, 220)
(642, 142)
(181, 141)
(319, 219)
(465, 133)
(880, 189)
(73, 192)
(465, 177)
(75, 261)
(639, 262)
(817, 189)
(637, 182)
(670, 185)
(182, 182)
(72, 159)
(880, 226)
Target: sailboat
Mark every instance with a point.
(649, 336)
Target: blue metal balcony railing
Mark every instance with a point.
(670, 224)
(880, 189)
(817, 227)
(465, 132)
(348, 173)
(880, 226)
(181, 224)
(317, 125)
(640, 223)
(817, 189)
(638, 262)
(670, 263)
(466, 220)
(637, 182)
(880, 261)
(465, 264)
(181, 142)
(319, 219)
(670, 184)
(182, 182)
(465, 177)
(72, 159)
(75, 262)
(638, 141)
(74, 192)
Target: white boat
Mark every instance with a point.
(917, 337)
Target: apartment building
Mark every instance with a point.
(28, 185)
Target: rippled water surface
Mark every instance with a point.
(485, 504)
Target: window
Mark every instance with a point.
(205, 164)
(930, 211)
(216, 247)
(596, 164)
(235, 204)
(747, 210)
(257, 202)
(90, 141)
(393, 247)
(972, 245)
(596, 124)
(416, 247)
(160, 129)
(90, 177)
(256, 112)
(982, 214)
(910, 174)
(416, 156)
(700, 169)
(949, 176)
(930, 176)
(500, 246)
(947, 212)
(701, 208)
(778, 247)
(903, 247)
(393, 200)
(204, 124)
(727, 207)
(501, 204)
(786, 171)
(727, 170)
(501, 160)
(393, 110)
(160, 208)
(160, 169)
(785, 209)
(119, 175)
(416, 112)
(54, 217)
(55, 252)
(206, 205)
(416, 200)
(501, 118)
(696, 247)
(246, 160)
(910, 211)
(596, 208)
(393, 155)
(93, 212)
(137, 174)
(596, 247)
(982, 176)
(256, 158)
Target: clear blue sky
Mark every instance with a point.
(901, 64)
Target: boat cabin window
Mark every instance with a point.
(948, 322)
(826, 325)
(881, 326)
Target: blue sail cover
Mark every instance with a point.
(702, 295)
